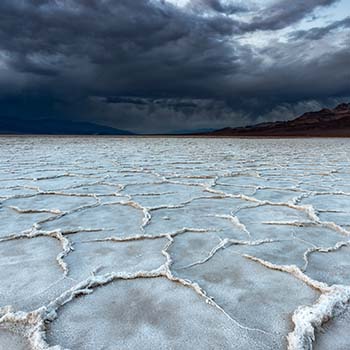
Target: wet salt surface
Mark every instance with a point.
(126, 243)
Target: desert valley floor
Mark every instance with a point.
(174, 243)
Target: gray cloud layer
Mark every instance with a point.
(148, 65)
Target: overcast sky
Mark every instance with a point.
(172, 65)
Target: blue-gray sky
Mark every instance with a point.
(167, 65)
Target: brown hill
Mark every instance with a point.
(324, 123)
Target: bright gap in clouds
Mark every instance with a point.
(327, 15)
(179, 3)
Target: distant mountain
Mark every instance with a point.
(56, 127)
(326, 122)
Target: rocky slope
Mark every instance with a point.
(326, 122)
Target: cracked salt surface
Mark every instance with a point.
(339, 329)
(148, 314)
(10, 340)
(127, 243)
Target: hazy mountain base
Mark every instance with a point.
(174, 243)
(55, 127)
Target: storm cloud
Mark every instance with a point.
(156, 65)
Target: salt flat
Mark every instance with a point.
(174, 243)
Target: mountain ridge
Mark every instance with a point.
(323, 123)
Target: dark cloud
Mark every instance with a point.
(150, 65)
(126, 100)
(220, 6)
